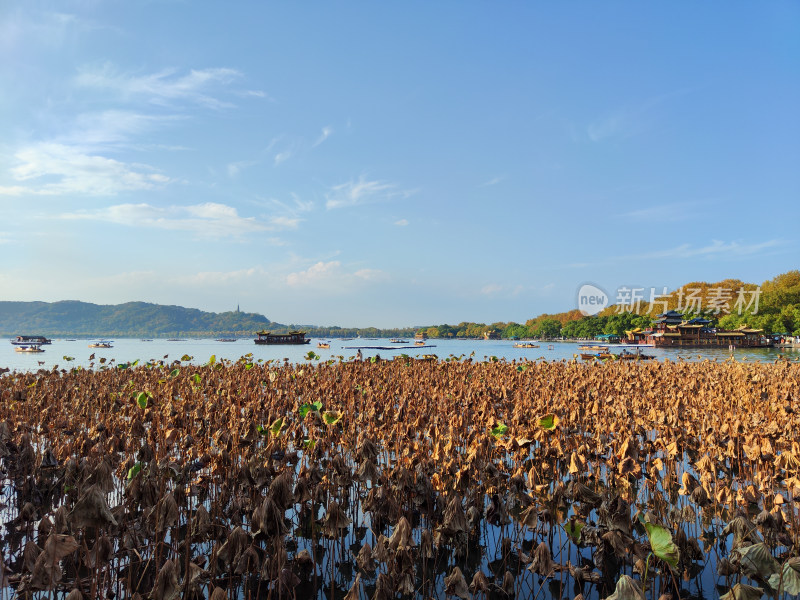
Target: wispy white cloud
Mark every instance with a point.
(491, 289)
(316, 273)
(401, 223)
(326, 133)
(332, 277)
(716, 249)
(235, 168)
(20, 29)
(493, 181)
(285, 222)
(56, 169)
(629, 120)
(359, 192)
(209, 219)
(198, 86)
(282, 157)
(671, 212)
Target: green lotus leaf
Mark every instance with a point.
(141, 399)
(499, 430)
(134, 470)
(277, 425)
(790, 582)
(661, 543)
(573, 529)
(549, 421)
(331, 417)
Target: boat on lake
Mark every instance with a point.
(269, 338)
(101, 344)
(397, 341)
(323, 344)
(598, 356)
(31, 348)
(226, 340)
(27, 340)
(526, 345)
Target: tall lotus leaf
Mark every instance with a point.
(742, 591)
(790, 582)
(573, 529)
(186, 358)
(134, 470)
(661, 543)
(331, 417)
(308, 407)
(499, 430)
(627, 589)
(277, 425)
(757, 560)
(141, 399)
(212, 359)
(196, 378)
(549, 421)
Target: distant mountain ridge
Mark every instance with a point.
(69, 318)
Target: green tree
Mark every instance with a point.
(547, 328)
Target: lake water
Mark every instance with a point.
(129, 350)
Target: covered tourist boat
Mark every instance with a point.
(293, 337)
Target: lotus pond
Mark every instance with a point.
(401, 479)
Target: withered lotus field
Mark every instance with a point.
(404, 478)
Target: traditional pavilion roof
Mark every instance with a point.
(671, 314)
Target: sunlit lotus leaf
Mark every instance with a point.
(573, 529)
(499, 430)
(789, 580)
(310, 406)
(627, 589)
(757, 560)
(212, 359)
(741, 591)
(277, 425)
(661, 543)
(141, 399)
(331, 417)
(174, 372)
(549, 421)
(456, 585)
(134, 470)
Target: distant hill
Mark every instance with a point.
(132, 319)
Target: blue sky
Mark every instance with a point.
(393, 164)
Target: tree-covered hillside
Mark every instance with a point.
(132, 319)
